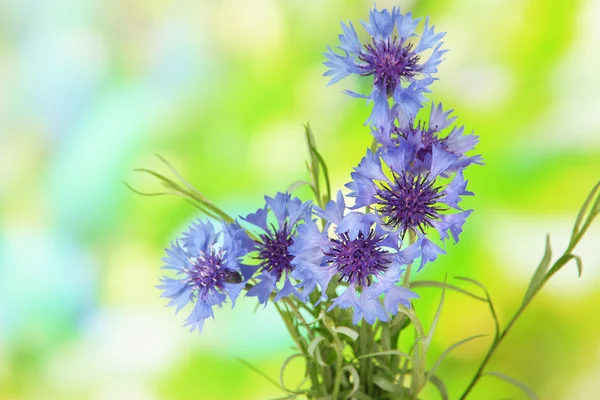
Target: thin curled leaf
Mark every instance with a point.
(313, 345)
(352, 334)
(355, 379)
(416, 284)
(282, 371)
(526, 389)
(440, 386)
(313, 348)
(540, 272)
(578, 261)
(448, 351)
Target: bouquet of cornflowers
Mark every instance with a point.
(340, 269)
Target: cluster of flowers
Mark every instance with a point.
(412, 182)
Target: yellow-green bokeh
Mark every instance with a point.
(90, 90)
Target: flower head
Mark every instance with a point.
(207, 270)
(275, 236)
(359, 253)
(406, 199)
(421, 136)
(397, 61)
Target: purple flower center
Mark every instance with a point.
(410, 202)
(273, 251)
(358, 259)
(389, 61)
(207, 272)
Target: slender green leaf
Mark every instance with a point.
(438, 313)
(440, 386)
(385, 353)
(526, 389)
(259, 372)
(417, 284)
(297, 184)
(352, 334)
(178, 175)
(448, 351)
(488, 299)
(387, 385)
(540, 272)
(325, 172)
(577, 231)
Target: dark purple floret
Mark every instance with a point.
(273, 251)
(410, 203)
(389, 61)
(207, 272)
(358, 259)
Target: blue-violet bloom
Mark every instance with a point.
(403, 130)
(400, 64)
(359, 255)
(405, 200)
(207, 270)
(275, 236)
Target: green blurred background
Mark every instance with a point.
(90, 90)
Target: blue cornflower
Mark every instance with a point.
(407, 200)
(360, 254)
(207, 270)
(273, 243)
(397, 62)
(402, 130)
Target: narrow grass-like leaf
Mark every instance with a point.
(325, 172)
(540, 272)
(385, 353)
(352, 334)
(178, 175)
(526, 389)
(577, 231)
(489, 301)
(259, 372)
(417, 284)
(298, 184)
(387, 385)
(448, 351)
(438, 313)
(440, 386)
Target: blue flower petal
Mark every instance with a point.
(406, 25)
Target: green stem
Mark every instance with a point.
(496, 343)
(411, 239)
